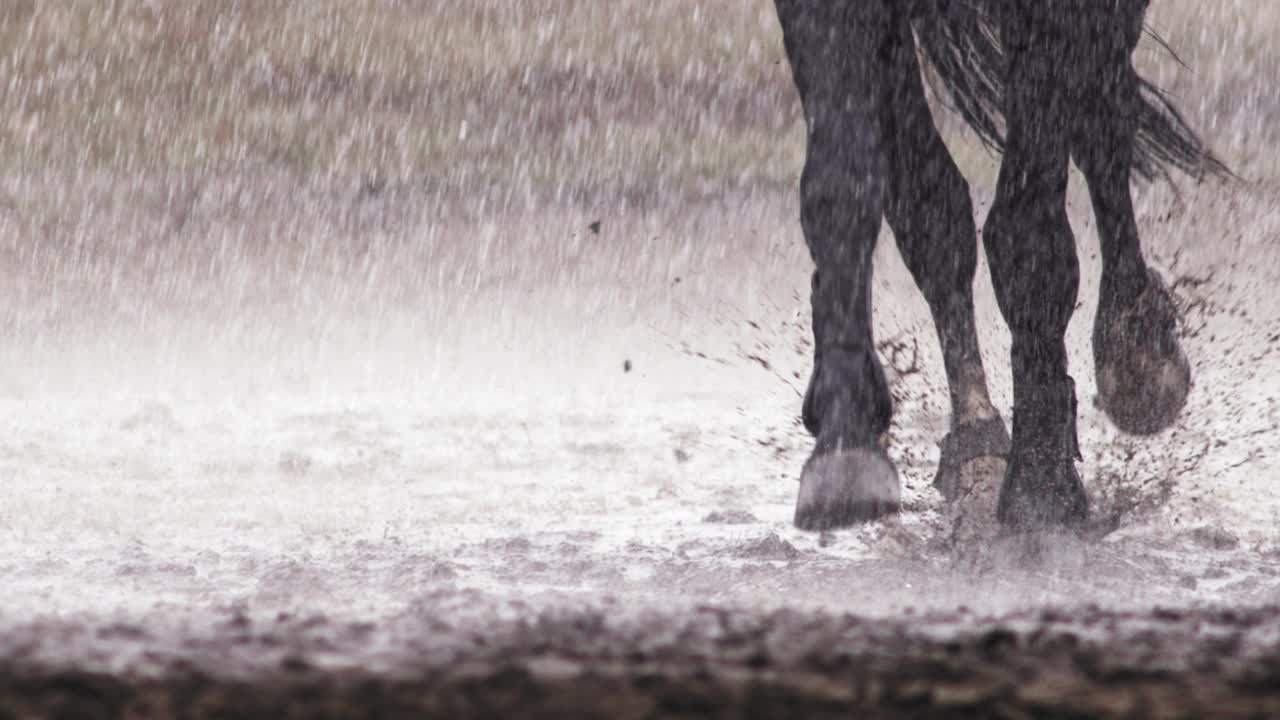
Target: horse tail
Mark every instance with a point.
(1166, 140)
(959, 41)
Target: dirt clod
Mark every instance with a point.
(770, 547)
(730, 517)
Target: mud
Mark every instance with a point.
(354, 498)
(620, 662)
(311, 495)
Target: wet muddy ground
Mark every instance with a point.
(350, 499)
(620, 662)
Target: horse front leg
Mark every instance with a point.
(833, 50)
(1143, 375)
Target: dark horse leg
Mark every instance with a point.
(931, 214)
(1033, 261)
(836, 55)
(1143, 375)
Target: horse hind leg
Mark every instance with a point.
(833, 51)
(931, 214)
(1142, 373)
(1034, 267)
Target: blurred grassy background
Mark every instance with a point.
(522, 102)
(172, 159)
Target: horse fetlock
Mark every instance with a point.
(1041, 490)
(847, 402)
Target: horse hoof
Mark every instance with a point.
(1038, 495)
(846, 487)
(971, 453)
(1143, 375)
(1145, 392)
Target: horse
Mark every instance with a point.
(1045, 84)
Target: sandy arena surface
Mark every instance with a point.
(352, 479)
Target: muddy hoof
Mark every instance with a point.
(971, 515)
(1041, 495)
(846, 487)
(1143, 375)
(971, 452)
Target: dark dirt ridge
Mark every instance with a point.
(710, 662)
